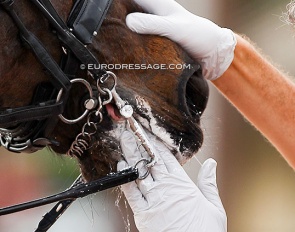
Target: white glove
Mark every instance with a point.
(210, 45)
(168, 200)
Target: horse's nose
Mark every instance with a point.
(194, 95)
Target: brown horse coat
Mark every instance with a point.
(167, 102)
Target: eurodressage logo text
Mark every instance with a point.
(136, 66)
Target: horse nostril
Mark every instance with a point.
(196, 96)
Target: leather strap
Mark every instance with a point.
(37, 120)
(71, 42)
(79, 190)
(47, 4)
(12, 117)
(84, 11)
(60, 79)
(86, 18)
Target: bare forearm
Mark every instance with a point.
(263, 95)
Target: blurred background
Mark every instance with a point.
(256, 185)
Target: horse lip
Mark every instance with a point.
(113, 112)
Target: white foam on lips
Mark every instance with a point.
(154, 128)
(118, 128)
(151, 125)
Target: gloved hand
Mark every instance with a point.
(210, 45)
(168, 200)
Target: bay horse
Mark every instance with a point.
(168, 102)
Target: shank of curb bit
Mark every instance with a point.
(126, 111)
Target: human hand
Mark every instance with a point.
(168, 200)
(210, 45)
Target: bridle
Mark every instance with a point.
(27, 129)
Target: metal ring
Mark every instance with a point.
(99, 104)
(110, 95)
(84, 136)
(89, 88)
(4, 142)
(145, 161)
(94, 117)
(151, 163)
(89, 126)
(102, 90)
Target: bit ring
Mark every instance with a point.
(148, 164)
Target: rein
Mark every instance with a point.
(26, 129)
(67, 197)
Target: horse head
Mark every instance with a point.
(161, 82)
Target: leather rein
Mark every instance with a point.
(27, 129)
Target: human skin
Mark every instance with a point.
(263, 94)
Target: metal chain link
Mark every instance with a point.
(83, 141)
